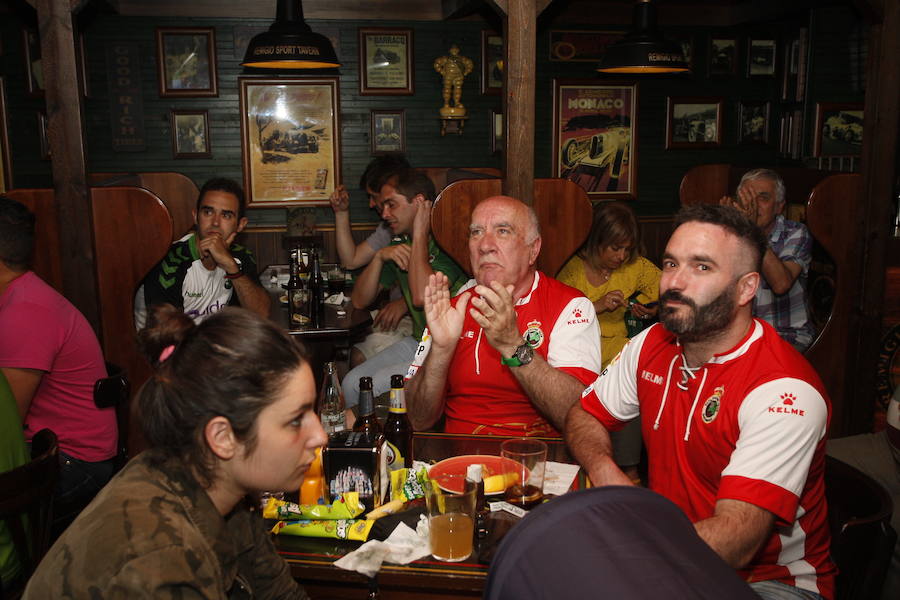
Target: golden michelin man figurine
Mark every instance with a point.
(454, 69)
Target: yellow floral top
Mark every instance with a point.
(641, 275)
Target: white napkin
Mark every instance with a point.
(401, 547)
(338, 299)
(558, 477)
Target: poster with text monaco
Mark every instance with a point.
(594, 128)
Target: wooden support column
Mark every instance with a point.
(879, 170)
(519, 42)
(66, 137)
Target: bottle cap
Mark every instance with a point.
(397, 381)
(365, 383)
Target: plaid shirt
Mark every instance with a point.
(790, 241)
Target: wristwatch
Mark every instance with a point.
(522, 356)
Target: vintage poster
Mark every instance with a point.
(594, 133)
(290, 144)
(386, 61)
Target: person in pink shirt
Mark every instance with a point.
(51, 358)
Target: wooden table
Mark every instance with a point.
(341, 327)
(311, 559)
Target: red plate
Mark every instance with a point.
(457, 465)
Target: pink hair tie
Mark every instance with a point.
(166, 353)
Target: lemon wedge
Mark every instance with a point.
(499, 483)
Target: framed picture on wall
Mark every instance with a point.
(186, 62)
(496, 132)
(385, 61)
(594, 128)
(491, 63)
(31, 45)
(839, 129)
(6, 182)
(694, 122)
(190, 134)
(687, 48)
(761, 57)
(753, 118)
(44, 133)
(388, 133)
(290, 140)
(722, 56)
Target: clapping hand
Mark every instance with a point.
(445, 322)
(495, 312)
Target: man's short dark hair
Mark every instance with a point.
(411, 183)
(16, 234)
(380, 169)
(223, 184)
(731, 220)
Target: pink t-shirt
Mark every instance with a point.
(39, 329)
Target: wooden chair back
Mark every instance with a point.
(562, 207)
(132, 232)
(832, 216)
(706, 184)
(862, 540)
(178, 192)
(28, 491)
(46, 262)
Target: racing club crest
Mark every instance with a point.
(712, 405)
(534, 335)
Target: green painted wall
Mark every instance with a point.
(837, 41)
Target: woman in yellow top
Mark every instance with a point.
(608, 270)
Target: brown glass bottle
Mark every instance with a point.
(397, 428)
(367, 422)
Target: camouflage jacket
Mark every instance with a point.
(153, 532)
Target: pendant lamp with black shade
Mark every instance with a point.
(290, 43)
(643, 49)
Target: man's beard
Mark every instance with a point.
(702, 322)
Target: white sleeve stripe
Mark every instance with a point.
(577, 344)
(781, 423)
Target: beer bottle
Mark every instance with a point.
(316, 289)
(397, 428)
(331, 402)
(367, 422)
(295, 295)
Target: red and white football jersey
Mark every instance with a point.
(483, 395)
(748, 425)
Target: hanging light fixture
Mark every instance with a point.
(290, 43)
(643, 49)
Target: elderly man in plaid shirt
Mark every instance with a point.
(781, 297)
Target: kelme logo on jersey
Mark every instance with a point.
(577, 316)
(712, 405)
(787, 406)
(533, 335)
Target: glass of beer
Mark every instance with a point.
(451, 517)
(531, 456)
